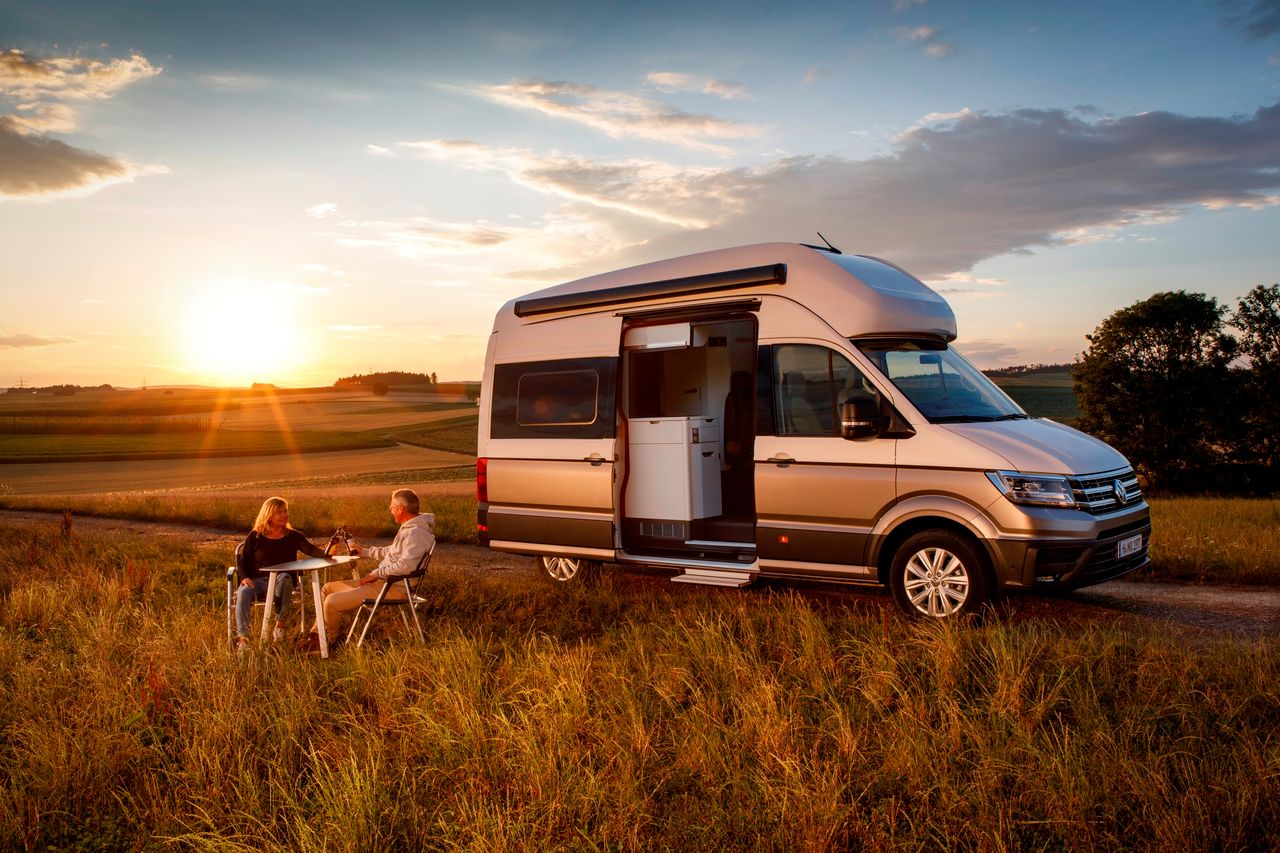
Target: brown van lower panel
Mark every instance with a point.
(811, 546)
(525, 527)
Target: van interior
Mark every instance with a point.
(687, 424)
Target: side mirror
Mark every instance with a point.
(859, 419)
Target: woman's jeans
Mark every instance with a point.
(247, 595)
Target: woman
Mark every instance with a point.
(271, 542)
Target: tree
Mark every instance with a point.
(1257, 318)
(1154, 383)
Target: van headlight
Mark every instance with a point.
(1033, 489)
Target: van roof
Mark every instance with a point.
(857, 295)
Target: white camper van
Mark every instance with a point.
(781, 411)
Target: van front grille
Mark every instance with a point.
(1097, 494)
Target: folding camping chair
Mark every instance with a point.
(411, 599)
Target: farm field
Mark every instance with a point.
(69, 478)
(1047, 395)
(536, 717)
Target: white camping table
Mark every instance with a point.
(312, 566)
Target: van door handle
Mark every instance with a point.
(594, 459)
(780, 459)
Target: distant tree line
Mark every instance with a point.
(1027, 370)
(381, 383)
(1188, 390)
(58, 390)
(390, 377)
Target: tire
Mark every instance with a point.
(567, 570)
(939, 574)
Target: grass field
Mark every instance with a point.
(178, 445)
(622, 717)
(1047, 395)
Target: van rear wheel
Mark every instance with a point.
(939, 574)
(567, 569)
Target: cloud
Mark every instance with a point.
(235, 82)
(42, 118)
(903, 5)
(419, 236)
(323, 209)
(966, 284)
(816, 73)
(69, 78)
(676, 81)
(379, 151)
(619, 114)
(33, 165)
(321, 269)
(353, 328)
(948, 197)
(23, 341)
(988, 353)
(928, 36)
(1257, 19)
(648, 189)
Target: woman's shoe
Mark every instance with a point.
(277, 635)
(309, 643)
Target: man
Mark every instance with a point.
(413, 540)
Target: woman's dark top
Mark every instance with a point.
(261, 551)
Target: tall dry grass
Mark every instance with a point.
(630, 716)
(1216, 540)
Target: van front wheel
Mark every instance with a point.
(567, 569)
(939, 574)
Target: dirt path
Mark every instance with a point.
(1240, 611)
(470, 558)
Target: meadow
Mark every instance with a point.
(628, 716)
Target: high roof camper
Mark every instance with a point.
(777, 410)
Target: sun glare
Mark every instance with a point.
(236, 334)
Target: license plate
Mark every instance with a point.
(1129, 547)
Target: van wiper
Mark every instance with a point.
(1013, 418)
(963, 419)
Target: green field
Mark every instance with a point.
(177, 445)
(1047, 395)
(457, 435)
(630, 716)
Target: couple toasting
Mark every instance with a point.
(274, 541)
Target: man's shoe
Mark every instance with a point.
(277, 635)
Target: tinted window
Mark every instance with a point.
(811, 384)
(563, 398)
(567, 398)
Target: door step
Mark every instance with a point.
(707, 572)
(714, 577)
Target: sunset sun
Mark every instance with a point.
(238, 334)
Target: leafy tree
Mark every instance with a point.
(1154, 383)
(1258, 320)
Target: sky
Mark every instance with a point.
(291, 192)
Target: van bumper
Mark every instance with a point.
(1070, 549)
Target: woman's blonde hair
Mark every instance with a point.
(269, 507)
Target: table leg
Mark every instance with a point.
(269, 608)
(315, 589)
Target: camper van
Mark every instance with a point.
(784, 411)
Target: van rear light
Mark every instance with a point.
(482, 480)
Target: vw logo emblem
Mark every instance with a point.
(1117, 488)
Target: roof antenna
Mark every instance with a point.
(827, 248)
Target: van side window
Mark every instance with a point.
(567, 398)
(810, 384)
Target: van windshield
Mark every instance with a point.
(939, 382)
